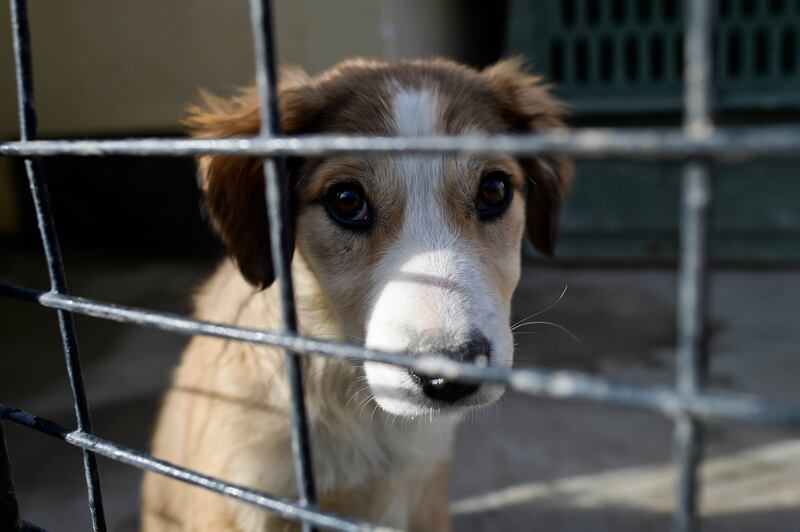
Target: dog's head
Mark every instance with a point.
(414, 253)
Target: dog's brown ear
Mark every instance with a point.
(234, 186)
(528, 106)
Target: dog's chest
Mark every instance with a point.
(348, 454)
(385, 464)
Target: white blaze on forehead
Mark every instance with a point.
(415, 276)
(405, 301)
(415, 113)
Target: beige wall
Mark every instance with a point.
(105, 67)
(122, 67)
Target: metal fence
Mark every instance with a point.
(689, 403)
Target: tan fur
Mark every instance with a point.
(226, 412)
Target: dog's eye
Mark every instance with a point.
(347, 204)
(494, 195)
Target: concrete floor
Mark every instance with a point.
(527, 464)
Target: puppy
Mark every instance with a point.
(417, 253)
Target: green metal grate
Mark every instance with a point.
(627, 55)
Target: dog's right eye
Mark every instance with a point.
(494, 195)
(347, 204)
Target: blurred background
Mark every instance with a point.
(132, 233)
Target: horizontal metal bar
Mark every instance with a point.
(534, 382)
(732, 144)
(140, 460)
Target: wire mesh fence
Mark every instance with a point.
(689, 403)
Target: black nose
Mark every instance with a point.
(447, 391)
(476, 350)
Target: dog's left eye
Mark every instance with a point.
(494, 195)
(347, 204)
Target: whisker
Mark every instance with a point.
(550, 306)
(372, 416)
(355, 395)
(556, 325)
(365, 400)
(363, 404)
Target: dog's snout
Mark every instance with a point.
(477, 351)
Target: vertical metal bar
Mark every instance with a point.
(52, 250)
(281, 241)
(9, 510)
(696, 197)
